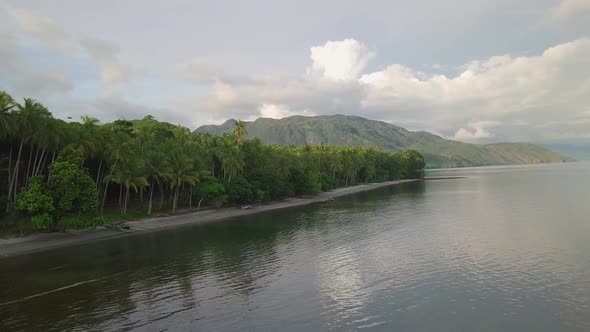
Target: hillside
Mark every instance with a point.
(578, 151)
(358, 131)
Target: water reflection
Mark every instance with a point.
(482, 253)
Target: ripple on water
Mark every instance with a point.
(487, 253)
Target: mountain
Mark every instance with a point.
(358, 131)
(578, 151)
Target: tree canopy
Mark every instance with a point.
(86, 168)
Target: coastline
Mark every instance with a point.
(45, 241)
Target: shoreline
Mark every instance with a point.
(45, 241)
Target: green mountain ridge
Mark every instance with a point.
(357, 131)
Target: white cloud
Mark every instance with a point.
(53, 37)
(106, 55)
(571, 11)
(45, 30)
(513, 90)
(275, 111)
(554, 84)
(22, 79)
(340, 60)
(202, 71)
(476, 131)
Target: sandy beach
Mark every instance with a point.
(39, 242)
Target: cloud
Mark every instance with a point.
(476, 131)
(54, 38)
(106, 55)
(570, 12)
(45, 30)
(274, 111)
(113, 106)
(507, 89)
(22, 79)
(340, 60)
(202, 71)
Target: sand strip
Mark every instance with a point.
(40, 242)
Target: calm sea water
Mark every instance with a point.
(505, 249)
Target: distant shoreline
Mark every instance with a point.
(46, 241)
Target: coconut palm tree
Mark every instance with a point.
(6, 117)
(239, 130)
(182, 170)
(118, 149)
(131, 179)
(231, 158)
(157, 170)
(89, 141)
(29, 118)
(182, 136)
(6, 125)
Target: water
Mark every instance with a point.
(506, 249)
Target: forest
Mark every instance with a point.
(58, 174)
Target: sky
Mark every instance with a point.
(471, 70)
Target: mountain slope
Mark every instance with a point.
(578, 151)
(357, 131)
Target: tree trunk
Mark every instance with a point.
(9, 167)
(199, 205)
(151, 194)
(190, 199)
(38, 168)
(141, 197)
(120, 194)
(161, 196)
(171, 199)
(106, 186)
(98, 174)
(126, 201)
(14, 182)
(29, 165)
(49, 173)
(175, 202)
(35, 162)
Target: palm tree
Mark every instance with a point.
(89, 141)
(157, 170)
(200, 174)
(118, 149)
(239, 130)
(131, 180)
(29, 118)
(232, 160)
(6, 125)
(6, 117)
(43, 140)
(182, 136)
(182, 170)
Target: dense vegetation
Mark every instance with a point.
(60, 174)
(356, 131)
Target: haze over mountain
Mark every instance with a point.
(358, 131)
(577, 151)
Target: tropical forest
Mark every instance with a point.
(59, 175)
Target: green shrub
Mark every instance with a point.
(72, 188)
(272, 185)
(80, 222)
(37, 203)
(327, 183)
(42, 221)
(238, 190)
(209, 190)
(305, 182)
